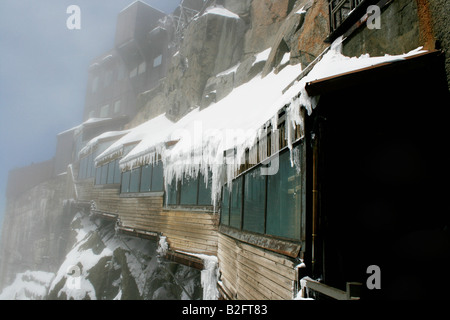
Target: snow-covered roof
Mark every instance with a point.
(236, 121)
(110, 135)
(153, 127)
(76, 129)
(334, 63)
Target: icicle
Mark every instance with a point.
(275, 142)
(263, 148)
(253, 155)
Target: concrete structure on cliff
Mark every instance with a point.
(293, 143)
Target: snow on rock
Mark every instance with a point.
(29, 285)
(262, 56)
(221, 11)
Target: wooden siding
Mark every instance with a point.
(251, 273)
(186, 231)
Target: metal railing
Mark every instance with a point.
(340, 10)
(353, 290)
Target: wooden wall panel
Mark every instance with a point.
(248, 272)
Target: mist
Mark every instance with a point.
(43, 73)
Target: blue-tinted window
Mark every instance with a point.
(158, 177)
(117, 172)
(82, 170)
(236, 203)
(104, 174)
(204, 190)
(172, 193)
(98, 175)
(284, 200)
(188, 192)
(110, 179)
(126, 182)
(254, 201)
(135, 180)
(146, 178)
(225, 212)
(89, 166)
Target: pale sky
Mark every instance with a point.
(43, 72)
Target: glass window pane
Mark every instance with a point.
(146, 177)
(158, 177)
(204, 190)
(81, 172)
(89, 166)
(117, 173)
(172, 193)
(94, 155)
(188, 193)
(135, 179)
(110, 173)
(126, 182)
(225, 213)
(104, 173)
(254, 201)
(98, 175)
(284, 200)
(236, 203)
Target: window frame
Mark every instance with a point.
(177, 187)
(297, 144)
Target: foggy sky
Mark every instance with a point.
(43, 72)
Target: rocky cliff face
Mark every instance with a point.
(34, 235)
(221, 49)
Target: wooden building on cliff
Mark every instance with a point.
(295, 183)
(299, 190)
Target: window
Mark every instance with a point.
(95, 84)
(125, 182)
(190, 192)
(284, 204)
(110, 179)
(142, 67)
(121, 72)
(254, 201)
(133, 73)
(146, 178)
(225, 215)
(117, 106)
(82, 170)
(104, 174)
(157, 61)
(98, 175)
(135, 179)
(266, 204)
(204, 191)
(108, 173)
(340, 10)
(236, 203)
(158, 177)
(117, 172)
(104, 111)
(108, 78)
